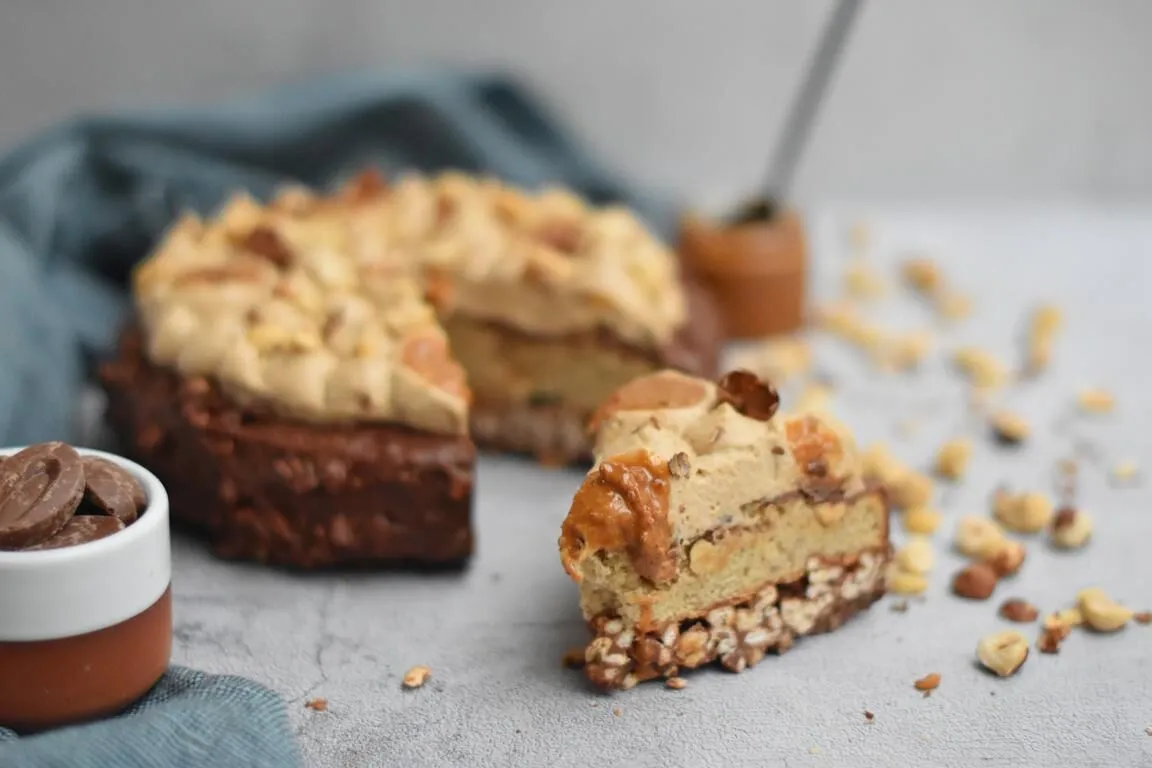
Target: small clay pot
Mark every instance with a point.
(755, 269)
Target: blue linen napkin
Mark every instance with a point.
(188, 720)
(81, 204)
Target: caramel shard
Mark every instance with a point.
(688, 541)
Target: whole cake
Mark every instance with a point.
(714, 528)
(304, 375)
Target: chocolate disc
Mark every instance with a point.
(112, 489)
(40, 488)
(81, 530)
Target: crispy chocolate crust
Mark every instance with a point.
(739, 635)
(555, 434)
(279, 491)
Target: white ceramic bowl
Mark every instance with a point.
(86, 630)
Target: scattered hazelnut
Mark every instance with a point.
(1142, 617)
(573, 658)
(1095, 401)
(1008, 428)
(1101, 613)
(916, 556)
(1022, 513)
(1069, 617)
(1003, 652)
(1071, 529)
(416, 677)
(953, 306)
(910, 490)
(929, 682)
(676, 683)
(861, 281)
(922, 275)
(616, 711)
(904, 352)
(869, 716)
(1125, 472)
(906, 583)
(975, 582)
(978, 537)
(952, 458)
(981, 368)
(1007, 559)
(921, 520)
(317, 705)
(1051, 638)
(1043, 325)
(1018, 610)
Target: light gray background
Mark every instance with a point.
(494, 636)
(937, 98)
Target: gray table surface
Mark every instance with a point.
(494, 635)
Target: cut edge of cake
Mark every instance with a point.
(713, 528)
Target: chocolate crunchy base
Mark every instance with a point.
(305, 495)
(557, 434)
(738, 636)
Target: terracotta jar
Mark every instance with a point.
(755, 267)
(86, 630)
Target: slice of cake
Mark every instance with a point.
(714, 528)
(295, 392)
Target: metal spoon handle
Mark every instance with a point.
(798, 124)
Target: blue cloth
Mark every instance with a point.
(81, 204)
(188, 720)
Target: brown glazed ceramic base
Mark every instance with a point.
(48, 683)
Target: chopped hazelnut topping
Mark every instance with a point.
(1071, 529)
(1003, 652)
(416, 677)
(678, 465)
(952, 458)
(1022, 513)
(1095, 401)
(745, 392)
(975, 582)
(1018, 610)
(929, 682)
(916, 556)
(1008, 428)
(921, 520)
